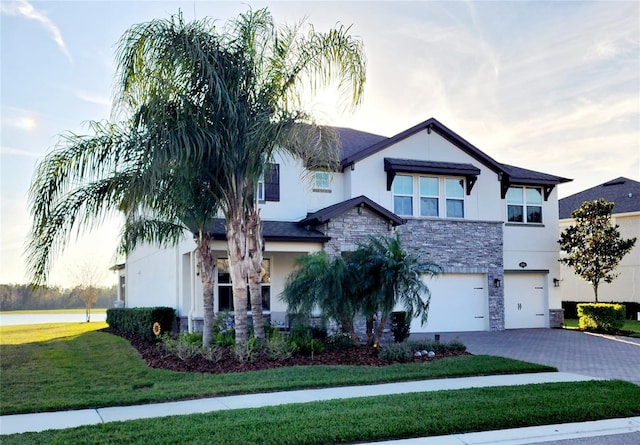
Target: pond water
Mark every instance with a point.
(10, 319)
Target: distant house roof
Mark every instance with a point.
(508, 173)
(273, 231)
(623, 192)
(324, 215)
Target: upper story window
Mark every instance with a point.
(524, 205)
(436, 196)
(268, 188)
(322, 181)
(403, 195)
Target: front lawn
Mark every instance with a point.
(630, 327)
(369, 419)
(96, 369)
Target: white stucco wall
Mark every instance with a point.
(626, 287)
(369, 178)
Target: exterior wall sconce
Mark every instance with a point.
(556, 282)
(497, 282)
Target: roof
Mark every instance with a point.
(324, 215)
(509, 173)
(354, 141)
(274, 231)
(623, 192)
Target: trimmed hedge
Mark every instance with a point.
(571, 308)
(140, 320)
(601, 316)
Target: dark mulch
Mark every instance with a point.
(155, 356)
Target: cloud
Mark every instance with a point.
(11, 151)
(19, 118)
(25, 9)
(93, 98)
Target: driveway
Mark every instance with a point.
(577, 352)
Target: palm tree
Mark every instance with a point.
(390, 276)
(326, 283)
(204, 111)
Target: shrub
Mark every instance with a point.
(223, 330)
(213, 353)
(339, 341)
(400, 326)
(140, 320)
(301, 338)
(601, 316)
(396, 352)
(248, 351)
(278, 348)
(184, 347)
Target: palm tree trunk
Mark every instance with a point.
(256, 247)
(369, 328)
(237, 249)
(207, 267)
(380, 330)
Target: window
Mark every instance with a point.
(260, 191)
(436, 196)
(455, 197)
(225, 288)
(524, 205)
(322, 181)
(429, 196)
(272, 182)
(403, 195)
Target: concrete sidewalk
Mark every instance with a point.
(68, 419)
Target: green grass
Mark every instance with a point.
(34, 333)
(96, 369)
(369, 419)
(632, 327)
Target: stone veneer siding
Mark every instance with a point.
(462, 246)
(352, 228)
(458, 246)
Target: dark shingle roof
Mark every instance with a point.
(518, 175)
(623, 192)
(353, 141)
(324, 215)
(274, 231)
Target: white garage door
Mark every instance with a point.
(525, 299)
(459, 302)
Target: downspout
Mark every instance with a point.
(192, 288)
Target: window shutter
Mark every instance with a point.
(272, 183)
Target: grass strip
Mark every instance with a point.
(34, 333)
(369, 419)
(96, 369)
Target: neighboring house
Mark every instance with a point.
(625, 194)
(492, 227)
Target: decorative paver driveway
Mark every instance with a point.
(567, 350)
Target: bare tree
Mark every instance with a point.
(87, 278)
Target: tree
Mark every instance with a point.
(87, 278)
(322, 282)
(371, 280)
(205, 112)
(390, 276)
(594, 246)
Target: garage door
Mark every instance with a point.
(459, 302)
(525, 299)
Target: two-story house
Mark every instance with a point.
(492, 227)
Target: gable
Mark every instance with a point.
(509, 175)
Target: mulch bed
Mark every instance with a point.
(155, 356)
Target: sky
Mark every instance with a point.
(548, 86)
